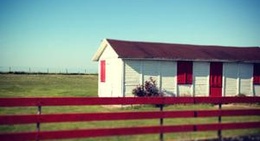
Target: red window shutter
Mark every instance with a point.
(103, 71)
(181, 76)
(184, 72)
(188, 72)
(256, 78)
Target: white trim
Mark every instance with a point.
(141, 65)
(252, 84)
(193, 81)
(238, 78)
(159, 76)
(123, 78)
(104, 44)
(208, 81)
(223, 80)
(208, 85)
(100, 50)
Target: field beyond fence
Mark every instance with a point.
(161, 116)
(85, 86)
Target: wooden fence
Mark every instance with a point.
(40, 118)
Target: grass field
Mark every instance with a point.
(47, 85)
(86, 85)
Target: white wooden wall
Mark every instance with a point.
(116, 78)
(237, 78)
(245, 79)
(132, 76)
(230, 72)
(257, 90)
(151, 69)
(112, 87)
(184, 90)
(168, 75)
(137, 72)
(201, 78)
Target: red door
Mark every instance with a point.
(215, 80)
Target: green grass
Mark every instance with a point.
(47, 85)
(86, 85)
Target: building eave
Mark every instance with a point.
(194, 60)
(102, 47)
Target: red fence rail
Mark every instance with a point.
(77, 101)
(100, 132)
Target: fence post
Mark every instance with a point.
(38, 123)
(161, 122)
(219, 121)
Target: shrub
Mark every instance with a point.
(241, 95)
(139, 91)
(148, 89)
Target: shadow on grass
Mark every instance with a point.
(254, 137)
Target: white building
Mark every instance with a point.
(185, 70)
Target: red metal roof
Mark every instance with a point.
(148, 50)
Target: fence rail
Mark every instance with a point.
(100, 132)
(77, 101)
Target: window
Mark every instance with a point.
(103, 71)
(184, 72)
(256, 79)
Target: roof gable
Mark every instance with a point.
(146, 50)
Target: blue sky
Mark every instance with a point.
(64, 34)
